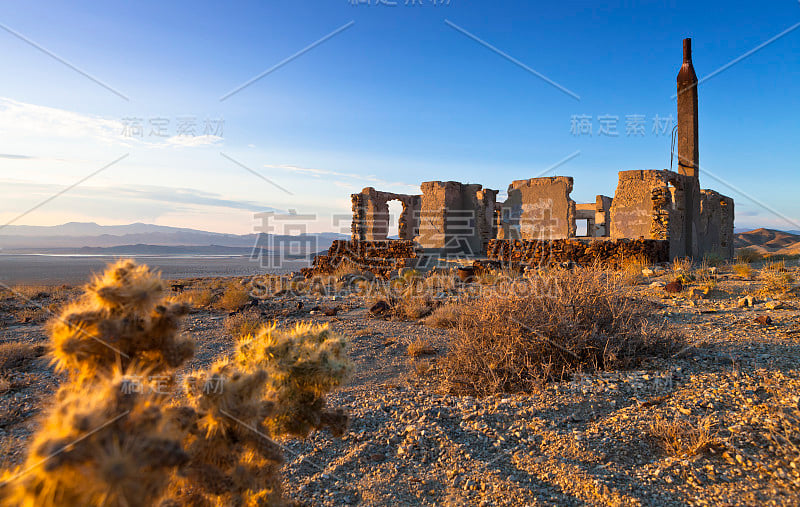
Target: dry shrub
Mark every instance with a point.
(681, 438)
(412, 307)
(748, 255)
(743, 269)
(242, 323)
(348, 267)
(422, 367)
(682, 266)
(706, 276)
(201, 297)
(420, 347)
(438, 282)
(777, 280)
(115, 437)
(235, 296)
(15, 354)
(445, 316)
(564, 322)
(632, 267)
(712, 259)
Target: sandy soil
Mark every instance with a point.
(589, 440)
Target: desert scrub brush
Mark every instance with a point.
(123, 319)
(302, 365)
(110, 445)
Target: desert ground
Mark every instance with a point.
(710, 419)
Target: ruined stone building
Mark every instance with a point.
(659, 214)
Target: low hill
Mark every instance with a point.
(769, 241)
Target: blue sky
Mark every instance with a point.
(397, 97)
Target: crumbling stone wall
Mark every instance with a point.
(456, 217)
(371, 215)
(584, 252)
(656, 204)
(602, 216)
(378, 257)
(716, 224)
(538, 208)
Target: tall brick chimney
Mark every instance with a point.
(688, 147)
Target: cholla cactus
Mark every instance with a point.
(302, 364)
(274, 387)
(113, 440)
(122, 320)
(111, 445)
(233, 460)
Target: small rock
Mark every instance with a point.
(764, 320)
(657, 285)
(379, 308)
(674, 287)
(648, 272)
(745, 302)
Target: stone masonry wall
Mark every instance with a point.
(716, 224)
(539, 208)
(654, 204)
(455, 217)
(371, 215)
(584, 252)
(379, 257)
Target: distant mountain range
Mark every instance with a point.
(91, 238)
(769, 241)
(139, 238)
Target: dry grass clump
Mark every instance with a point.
(706, 276)
(114, 437)
(681, 438)
(632, 268)
(236, 295)
(412, 307)
(242, 323)
(350, 268)
(444, 317)
(420, 347)
(743, 269)
(564, 322)
(15, 354)
(200, 297)
(777, 280)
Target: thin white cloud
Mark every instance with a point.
(319, 173)
(32, 121)
(193, 141)
(167, 198)
(23, 119)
